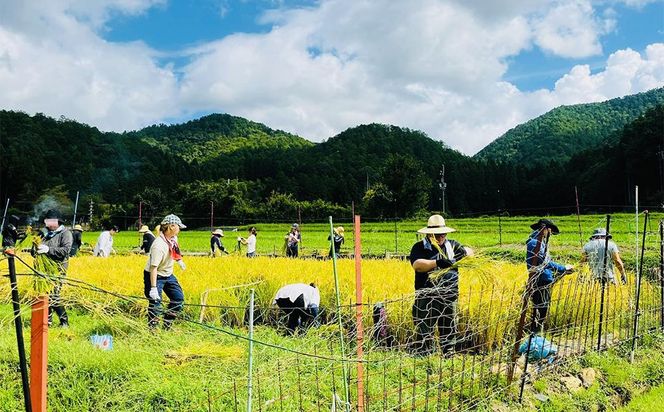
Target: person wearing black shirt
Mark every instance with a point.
(148, 238)
(338, 240)
(10, 233)
(434, 260)
(215, 243)
(77, 239)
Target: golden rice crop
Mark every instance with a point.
(489, 290)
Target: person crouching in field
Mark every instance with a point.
(158, 275)
(436, 286)
(300, 303)
(542, 271)
(601, 266)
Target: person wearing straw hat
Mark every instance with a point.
(158, 274)
(542, 270)
(148, 238)
(77, 239)
(338, 240)
(215, 242)
(434, 260)
(593, 254)
(56, 244)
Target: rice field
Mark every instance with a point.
(199, 363)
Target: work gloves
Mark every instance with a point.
(181, 264)
(154, 294)
(41, 249)
(443, 263)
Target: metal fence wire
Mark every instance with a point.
(428, 352)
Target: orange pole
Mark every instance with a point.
(39, 354)
(358, 315)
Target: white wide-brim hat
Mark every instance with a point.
(435, 226)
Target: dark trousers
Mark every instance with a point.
(292, 251)
(295, 311)
(55, 305)
(433, 308)
(173, 291)
(541, 301)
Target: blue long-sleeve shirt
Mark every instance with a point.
(541, 264)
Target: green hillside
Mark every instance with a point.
(251, 172)
(567, 130)
(210, 137)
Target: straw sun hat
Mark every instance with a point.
(144, 229)
(218, 232)
(435, 226)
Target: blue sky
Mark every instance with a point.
(463, 71)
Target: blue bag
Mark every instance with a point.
(540, 348)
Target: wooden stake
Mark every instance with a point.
(39, 353)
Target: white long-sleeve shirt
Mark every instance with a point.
(251, 244)
(104, 245)
(293, 291)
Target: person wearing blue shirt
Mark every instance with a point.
(542, 270)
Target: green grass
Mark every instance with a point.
(652, 400)
(639, 386)
(192, 367)
(506, 240)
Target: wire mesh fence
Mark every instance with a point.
(471, 357)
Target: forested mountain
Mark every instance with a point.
(567, 130)
(251, 172)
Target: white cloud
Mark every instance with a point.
(571, 29)
(53, 63)
(626, 72)
(637, 3)
(432, 65)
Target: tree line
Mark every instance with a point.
(253, 173)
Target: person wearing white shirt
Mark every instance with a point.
(250, 241)
(300, 303)
(104, 245)
(158, 274)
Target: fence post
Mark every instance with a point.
(639, 274)
(603, 281)
(525, 367)
(39, 354)
(251, 349)
(661, 272)
(396, 236)
(578, 214)
(358, 313)
(18, 323)
(341, 326)
(500, 229)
